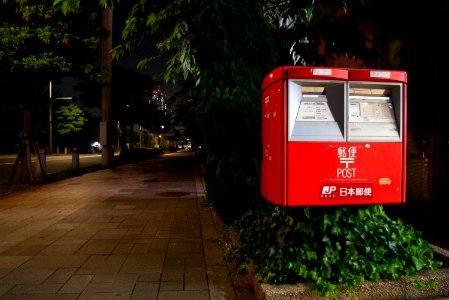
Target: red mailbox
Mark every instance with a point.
(333, 136)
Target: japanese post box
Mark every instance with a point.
(333, 136)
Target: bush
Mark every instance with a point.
(331, 248)
(229, 102)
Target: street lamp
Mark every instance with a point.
(50, 119)
(50, 115)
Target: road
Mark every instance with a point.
(54, 164)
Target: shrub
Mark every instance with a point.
(331, 247)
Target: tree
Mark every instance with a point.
(39, 44)
(315, 32)
(69, 120)
(184, 120)
(37, 39)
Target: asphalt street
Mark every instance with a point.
(53, 163)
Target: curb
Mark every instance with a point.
(401, 289)
(384, 289)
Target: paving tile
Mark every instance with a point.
(137, 238)
(41, 296)
(133, 230)
(76, 284)
(26, 248)
(55, 261)
(98, 247)
(110, 233)
(213, 254)
(220, 286)
(177, 285)
(104, 296)
(48, 235)
(64, 247)
(140, 248)
(5, 288)
(174, 262)
(102, 264)
(114, 278)
(51, 288)
(123, 248)
(161, 234)
(196, 281)
(111, 284)
(10, 262)
(61, 275)
(195, 265)
(160, 243)
(83, 233)
(172, 275)
(145, 291)
(185, 295)
(149, 276)
(183, 246)
(26, 276)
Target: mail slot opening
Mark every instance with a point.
(316, 110)
(374, 112)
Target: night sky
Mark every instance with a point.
(131, 60)
(66, 88)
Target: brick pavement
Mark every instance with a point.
(136, 231)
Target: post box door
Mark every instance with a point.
(273, 179)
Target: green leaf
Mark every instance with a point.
(432, 284)
(419, 263)
(307, 212)
(418, 285)
(327, 221)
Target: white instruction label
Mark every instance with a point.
(314, 111)
(380, 74)
(327, 72)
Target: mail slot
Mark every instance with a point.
(333, 136)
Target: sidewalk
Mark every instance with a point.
(137, 231)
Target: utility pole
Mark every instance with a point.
(50, 117)
(105, 125)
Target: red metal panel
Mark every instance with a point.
(274, 76)
(324, 173)
(273, 180)
(317, 73)
(377, 75)
(404, 141)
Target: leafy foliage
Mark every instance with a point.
(184, 122)
(69, 119)
(330, 248)
(314, 32)
(232, 68)
(171, 24)
(69, 6)
(37, 38)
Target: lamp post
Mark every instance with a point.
(50, 119)
(50, 115)
(107, 152)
